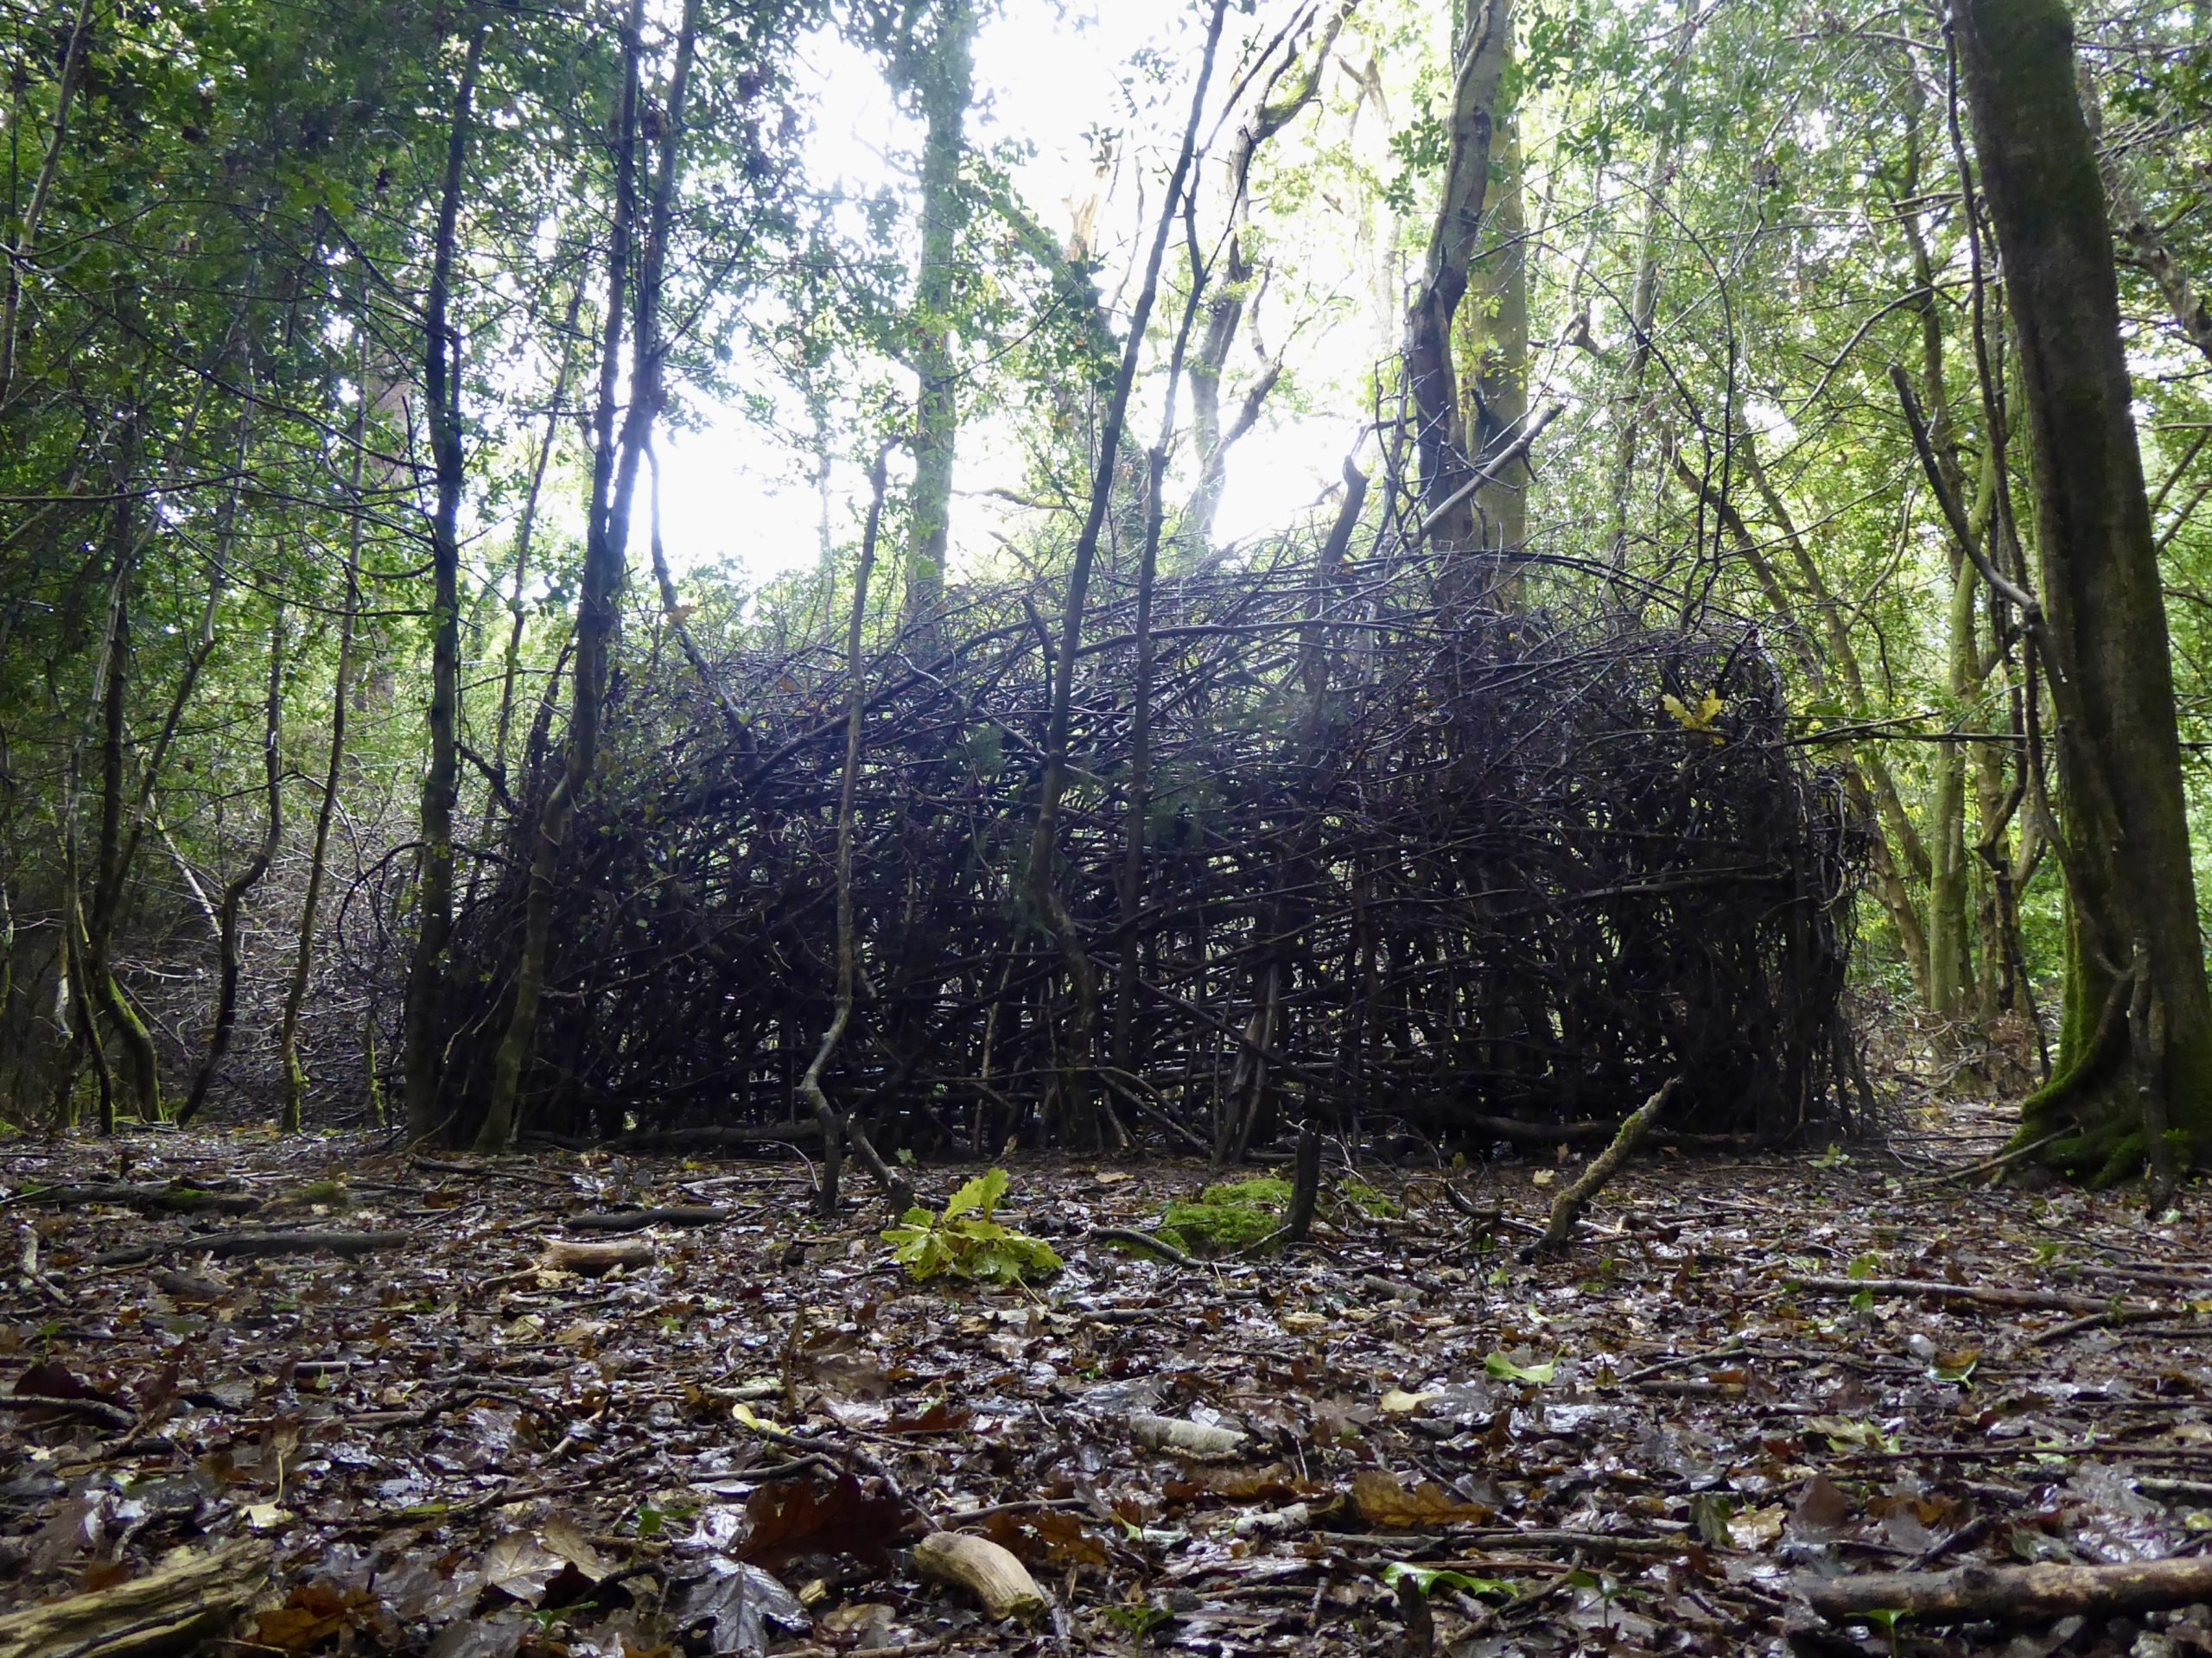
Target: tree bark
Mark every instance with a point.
(140, 1063)
(423, 1019)
(1079, 1116)
(288, 1031)
(2131, 887)
(1441, 433)
(942, 73)
(230, 914)
(615, 459)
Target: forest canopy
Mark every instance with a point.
(927, 571)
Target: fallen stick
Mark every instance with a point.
(181, 1200)
(566, 1255)
(1987, 1295)
(238, 1246)
(2015, 1594)
(989, 1572)
(1135, 1239)
(170, 1609)
(1567, 1208)
(1989, 1163)
(98, 1409)
(231, 1246)
(637, 1220)
(2074, 1327)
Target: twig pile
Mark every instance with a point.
(1488, 873)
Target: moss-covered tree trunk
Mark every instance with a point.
(1499, 284)
(943, 73)
(2135, 1044)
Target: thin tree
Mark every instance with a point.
(423, 1039)
(1078, 1115)
(295, 991)
(941, 73)
(615, 460)
(230, 913)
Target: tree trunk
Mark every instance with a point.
(296, 991)
(2131, 889)
(606, 542)
(25, 239)
(944, 76)
(230, 914)
(1440, 432)
(1643, 297)
(140, 1063)
(424, 1017)
(1500, 284)
(836, 1127)
(1078, 1103)
(1278, 106)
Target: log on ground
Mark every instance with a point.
(2016, 1594)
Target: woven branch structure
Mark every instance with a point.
(1478, 872)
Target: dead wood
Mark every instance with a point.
(250, 1245)
(986, 1571)
(240, 1246)
(1137, 1240)
(1567, 1207)
(706, 1139)
(567, 1255)
(2015, 1594)
(98, 1410)
(163, 1199)
(1989, 1295)
(170, 1608)
(1305, 1186)
(1512, 782)
(637, 1220)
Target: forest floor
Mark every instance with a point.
(445, 1443)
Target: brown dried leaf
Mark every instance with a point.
(792, 1517)
(1381, 1500)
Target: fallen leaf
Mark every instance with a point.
(792, 1517)
(1399, 1402)
(1381, 1500)
(519, 1566)
(1757, 1528)
(741, 1603)
(563, 1537)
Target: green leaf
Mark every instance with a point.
(982, 1193)
(965, 1242)
(1505, 1369)
(1429, 1579)
(1140, 1621)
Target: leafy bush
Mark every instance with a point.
(965, 1242)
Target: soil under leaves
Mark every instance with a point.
(454, 1449)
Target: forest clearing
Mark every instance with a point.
(1223, 826)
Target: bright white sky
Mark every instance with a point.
(1047, 73)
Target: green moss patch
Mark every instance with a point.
(1357, 1194)
(1222, 1219)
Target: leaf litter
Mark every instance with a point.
(1400, 1437)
